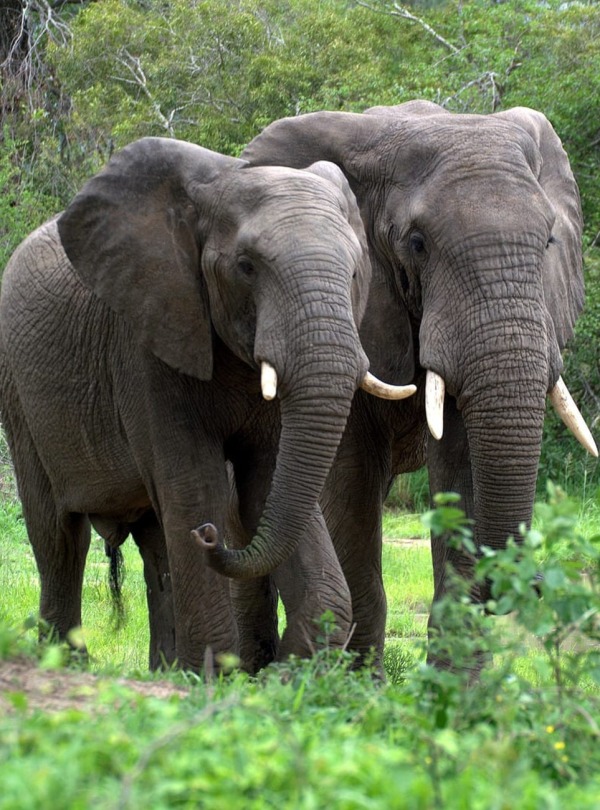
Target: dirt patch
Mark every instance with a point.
(408, 542)
(24, 685)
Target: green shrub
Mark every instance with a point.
(316, 733)
(22, 207)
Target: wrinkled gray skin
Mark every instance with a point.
(474, 228)
(132, 327)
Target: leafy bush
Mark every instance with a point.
(22, 206)
(316, 733)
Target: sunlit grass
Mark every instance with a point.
(19, 583)
(125, 648)
(408, 587)
(407, 579)
(403, 525)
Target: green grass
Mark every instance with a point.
(125, 649)
(408, 587)
(403, 525)
(407, 579)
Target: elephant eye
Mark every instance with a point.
(417, 242)
(246, 268)
(551, 241)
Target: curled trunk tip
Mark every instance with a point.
(207, 536)
(234, 563)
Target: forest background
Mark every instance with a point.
(81, 78)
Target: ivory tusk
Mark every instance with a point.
(565, 407)
(268, 380)
(435, 388)
(377, 388)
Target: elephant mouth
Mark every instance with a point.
(559, 396)
(370, 383)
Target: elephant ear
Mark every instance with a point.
(301, 140)
(329, 171)
(563, 273)
(134, 236)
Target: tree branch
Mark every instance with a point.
(34, 21)
(404, 14)
(138, 79)
(487, 79)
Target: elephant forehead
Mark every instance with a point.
(411, 150)
(273, 183)
(276, 234)
(261, 199)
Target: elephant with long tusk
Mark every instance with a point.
(370, 384)
(474, 230)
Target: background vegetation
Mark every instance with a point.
(79, 79)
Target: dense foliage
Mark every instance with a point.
(316, 734)
(81, 78)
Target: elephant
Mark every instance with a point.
(133, 327)
(474, 230)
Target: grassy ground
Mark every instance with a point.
(407, 577)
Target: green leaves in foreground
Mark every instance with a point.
(313, 734)
(539, 639)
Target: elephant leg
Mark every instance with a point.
(150, 540)
(449, 466)
(361, 564)
(60, 546)
(311, 584)
(352, 504)
(60, 542)
(204, 622)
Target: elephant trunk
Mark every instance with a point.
(322, 367)
(508, 360)
(503, 411)
(310, 434)
(504, 445)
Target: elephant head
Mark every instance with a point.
(194, 249)
(474, 229)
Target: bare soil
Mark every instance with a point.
(22, 682)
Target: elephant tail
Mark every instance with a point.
(116, 575)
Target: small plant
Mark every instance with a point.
(327, 627)
(550, 581)
(397, 661)
(545, 606)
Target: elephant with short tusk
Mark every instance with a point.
(474, 231)
(133, 328)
